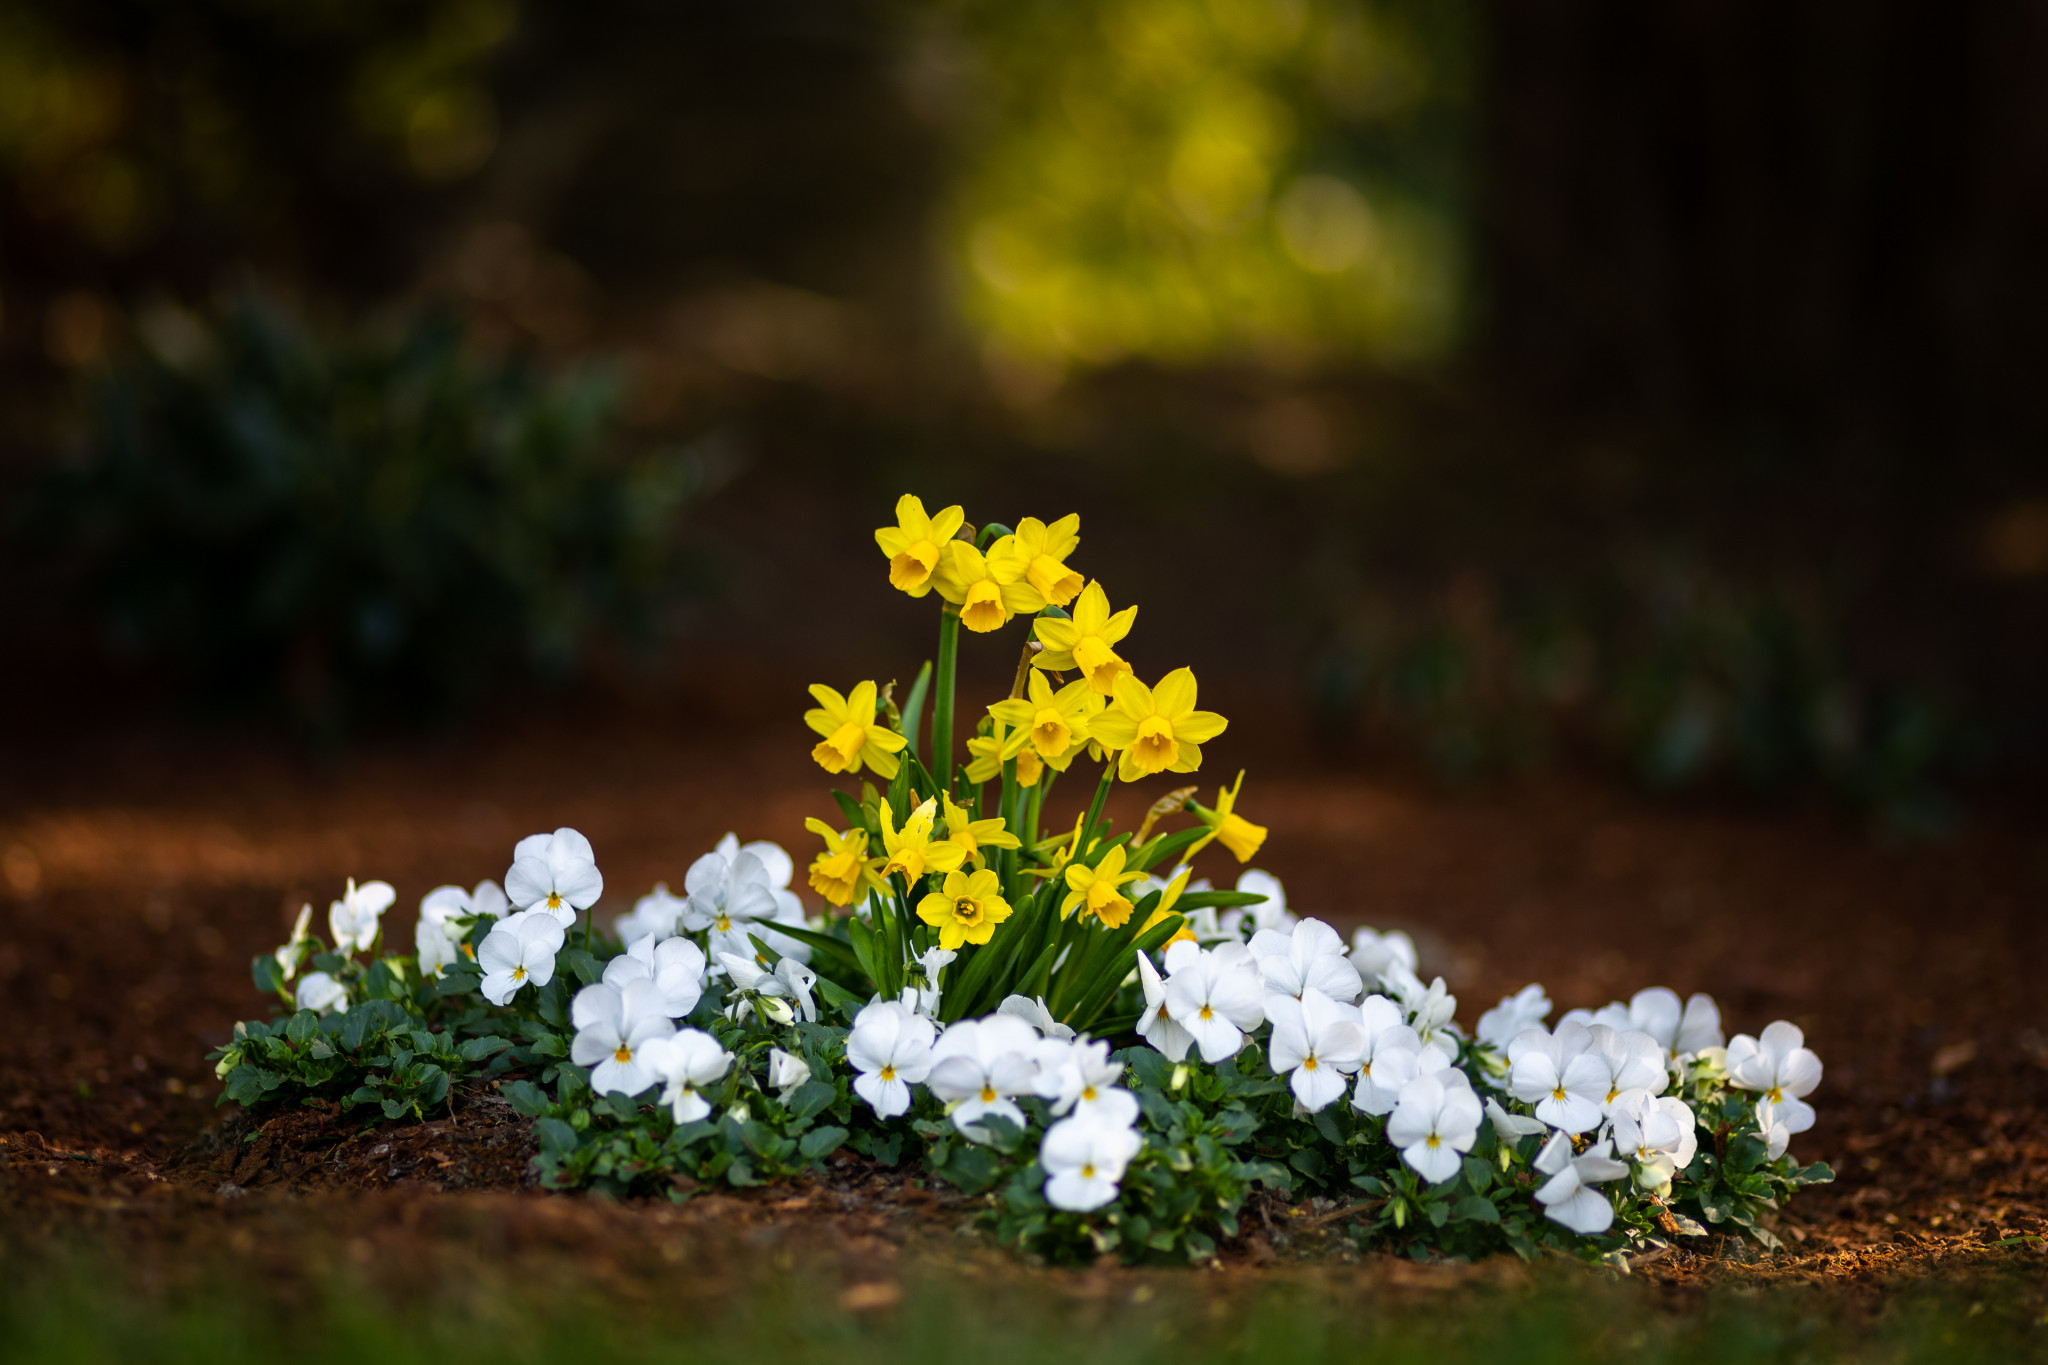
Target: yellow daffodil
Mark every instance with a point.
(1053, 723)
(851, 735)
(1157, 729)
(966, 910)
(1236, 833)
(987, 753)
(916, 543)
(1164, 909)
(1098, 890)
(911, 850)
(843, 870)
(1046, 549)
(975, 835)
(1086, 642)
(988, 589)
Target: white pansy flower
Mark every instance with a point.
(1155, 1025)
(1391, 1056)
(786, 1071)
(1568, 1197)
(1699, 1028)
(321, 993)
(923, 996)
(979, 1064)
(1557, 1074)
(734, 891)
(614, 1024)
(1218, 996)
(687, 1062)
(891, 1047)
(655, 915)
(555, 873)
(293, 951)
(1242, 921)
(1375, 953)
(1632, 1060)
(781, 993)
(1512, 1126)
(1430, 1010)
(1780, 1065)
(1308, 957)
(1525, 1009)
(519, 952)
(437, 938)
(1317, 1043)
(1080, 1077)
(1770, 1126)
(353, 920)
(1434, 1123)
(1083, 1159)
(1658, 1134)
(1034, 1013)
(675, 967)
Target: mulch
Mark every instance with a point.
(135, 888)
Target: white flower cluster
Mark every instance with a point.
(1613, 1076)
(980, 1067)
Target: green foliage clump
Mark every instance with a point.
(381, 523)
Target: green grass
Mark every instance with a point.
(74, 1310)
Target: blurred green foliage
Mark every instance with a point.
(536, 1296)
(1179, 180)
(373, 524)
(1677, 674)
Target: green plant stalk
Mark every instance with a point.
(913, 705)
(1006, 859)
(1031, 809)
(941, 764)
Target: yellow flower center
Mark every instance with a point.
(1059, 584)
(1208, 1013)
(967, 910)
(1088, 1171)
(519, 973)
(988, 1094)
(1030, 767)
(1099, 664)
(469, 952)
(1049, 732)
(908, 861)
(1432, 1140)
(1088, 1093)
(888, 1073)
(912, 569)
(837, 754)
(1309, 1064)
(1155, 749)
(983, 609)
(554, 900)
(622, 1054)
(1612, 1093)
(1558, 1093)
(1106, 905)
(1775, 1095)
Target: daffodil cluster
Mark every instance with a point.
(1040, 1008)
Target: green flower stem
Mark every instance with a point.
(1032, 807)
(941, 764)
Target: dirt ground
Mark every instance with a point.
(139, 876)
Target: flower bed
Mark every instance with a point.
(1060, 1016)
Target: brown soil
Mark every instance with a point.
(137, 880)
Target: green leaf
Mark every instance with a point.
(811, 1099)
(820, 1141)
(913, 706)
(1474, 1209)
(556, 1138)
(526, 1097)
(301, 1026)
(476, 1049)
(268, 975)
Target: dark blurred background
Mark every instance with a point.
(1465, 388)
